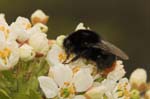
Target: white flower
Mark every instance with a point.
(107, 86)
(18, 29)
(19, 32)
(24, 22)
(26, 52)
(9, 55)
(39, 17)
(138, 79)
(81, 26)
(39, 42)
(67, 81)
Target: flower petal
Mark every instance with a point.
(2, 40)
(118, 72)
(96, 92)
(82, 80)
(26, 52)
(79, 97)
(61, 74)
(53, 55)
(48, 86)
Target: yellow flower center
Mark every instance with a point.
(62, 57)
(123, 91)
(67, 91)
(75, 69)
(27, 26)
(5, 30)
(4, 54)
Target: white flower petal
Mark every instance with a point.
(48, 86)
(82, 80)
(12, 59)
(61, 74)
(96, 92)
(117, 73)
(79, 97)
(53, 55)
(2, 40)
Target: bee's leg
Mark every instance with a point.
(74, 59)
(64, 62)
(78, 56)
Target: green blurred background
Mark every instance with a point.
(126, 23)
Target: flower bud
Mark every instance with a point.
(39, 42)
(138, 79)
(147, 95)
(39, 17)
(26, 52)
(60, 40)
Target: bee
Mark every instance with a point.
(89, 45)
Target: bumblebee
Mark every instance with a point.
(89, 45)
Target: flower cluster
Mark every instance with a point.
(24, 43)
(22, 40)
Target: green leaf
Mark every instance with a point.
(4, 94)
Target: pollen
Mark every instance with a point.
(4, 54)
(66, 83)
(72, 89)
(5, 30)
(76, 69)
(27, 26)
(62, 57)
(120, 94)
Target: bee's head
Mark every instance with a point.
(67, 45)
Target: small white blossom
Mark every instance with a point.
(9, 54)
(68, 83)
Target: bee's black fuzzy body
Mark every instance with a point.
(89, 45)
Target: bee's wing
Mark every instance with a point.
(108, 47)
